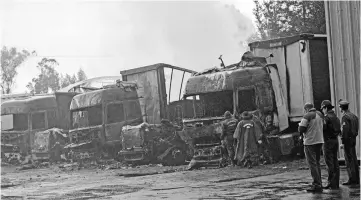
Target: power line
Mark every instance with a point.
(70, 56)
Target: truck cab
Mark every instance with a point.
(251, 85)
(22, 119)
(97, 119)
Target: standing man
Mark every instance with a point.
(56, 152)
(331, 130)
(246, 135)
(349, 133)
(229, 126)
(311, 126)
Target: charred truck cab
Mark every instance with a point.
(97, 119)
(157, 139)
(152, 143)
(21, 120)
(250, 85)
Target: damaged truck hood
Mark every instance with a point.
(225, 80)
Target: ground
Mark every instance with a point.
(285, 180)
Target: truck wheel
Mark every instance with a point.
(176, 157)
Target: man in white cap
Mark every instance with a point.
(311, 126)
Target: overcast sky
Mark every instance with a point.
(104, 37)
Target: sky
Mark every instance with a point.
(104, 37)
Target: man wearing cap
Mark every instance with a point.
(331, 130)
(311, 126)
(350, 126)
(229, 126)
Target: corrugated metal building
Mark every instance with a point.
(343, 31)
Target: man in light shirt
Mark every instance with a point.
(311, 126)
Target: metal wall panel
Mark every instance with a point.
(148, 90)
(343, 31)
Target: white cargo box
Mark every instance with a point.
(302, 63)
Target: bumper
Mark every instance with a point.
(131, 156)
(40, 155)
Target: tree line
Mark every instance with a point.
(49, 79)
(276, 19)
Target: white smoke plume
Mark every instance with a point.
(106, 37)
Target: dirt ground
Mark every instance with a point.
(285, 180)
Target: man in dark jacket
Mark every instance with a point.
(229, 126)
(246, 134)
(331, 130)
(55, 155)
(350, 126)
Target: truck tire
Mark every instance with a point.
(175, 157)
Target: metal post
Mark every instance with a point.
(194, 107)
(180, 91)
(329, 49)
(170, 84)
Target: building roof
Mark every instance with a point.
(153, 67)
(90, 82)
(284, 41)
(28, 104)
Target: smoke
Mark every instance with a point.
(106, 37)
(192, 34)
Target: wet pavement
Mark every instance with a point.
(285, 181)
(289, 185)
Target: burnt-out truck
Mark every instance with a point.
(250, 85)
(108, 122)
(298, 73)
(161, 86)
(97, 118)
(162, 106)
(152, 143)
(25, 121)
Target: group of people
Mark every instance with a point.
(243, 140)
(320, 132)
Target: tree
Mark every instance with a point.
(254, 37)
(285, 18)
(48, 78)
(81, 75)
(11, 59)
(67, 80)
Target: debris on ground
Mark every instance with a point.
(145, 170)
(44, 164)
(70, 167)
(303, 168)
(26, 167)
(6, 183)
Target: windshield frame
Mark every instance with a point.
(45, 119)
(198, 103)
(106, 120)
(85, 109)
(28, 115)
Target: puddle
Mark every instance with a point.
(99, 192)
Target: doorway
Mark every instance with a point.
(246, 100)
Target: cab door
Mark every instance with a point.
(114, 121)
(133, 116)
(38, 123)
(279, 97)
